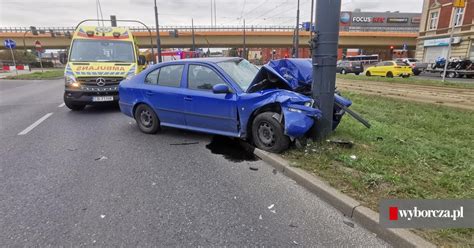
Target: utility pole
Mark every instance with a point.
(212, 13)
(158, 39)
(450, 44)
(312, 18)
(215, 14)
(297, 38)
(245, 45)
(192, 31)
(324, 58)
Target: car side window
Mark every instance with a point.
(152, 77)
(170, 75)
(388, 63)
(202, 78)
(380, 64)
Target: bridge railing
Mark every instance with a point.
(218, 29)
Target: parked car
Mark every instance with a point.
(346, 66)
(389, 69)
(417, 66)
(224, 96)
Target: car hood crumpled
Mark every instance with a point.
(297, 74)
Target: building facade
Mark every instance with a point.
(437, 20)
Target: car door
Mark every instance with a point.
(378, 69)
(163, 91)
(206, 111)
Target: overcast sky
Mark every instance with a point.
(178, 12)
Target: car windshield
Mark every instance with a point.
(102, 51)
(241, 71)
(412, 60)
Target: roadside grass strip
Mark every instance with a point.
(410, 80)
(412, 151)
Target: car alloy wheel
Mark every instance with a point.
(266, 134)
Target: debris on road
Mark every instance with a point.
(293, 225)
(349, 223)
(260, 217)
(72, 149)
(102, 216)
(273, 211)
(353, 157)
(271, 206)
(274, 171)
(295, 243)
(101, 158)
(253, 167)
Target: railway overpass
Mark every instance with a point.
(216, 37)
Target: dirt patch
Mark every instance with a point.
(445, 96)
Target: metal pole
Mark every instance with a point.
(215, 14)
(449, 45)
(13, 58)
(158, 39)
(41, 61)
(212, 14)
(244, 55)
(192, 31)
(324, 58)
(297, 38)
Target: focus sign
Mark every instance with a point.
(11, 44)
(459, 3)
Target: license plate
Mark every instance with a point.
(102, 98)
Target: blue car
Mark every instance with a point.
(223, 96)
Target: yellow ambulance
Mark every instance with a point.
(99, 59)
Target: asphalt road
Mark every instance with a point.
(147, 190)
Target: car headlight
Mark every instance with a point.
(309, 104)
(71, 82)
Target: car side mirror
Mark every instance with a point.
(141, 60)
(220, 89)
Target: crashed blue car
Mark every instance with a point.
(224, 96)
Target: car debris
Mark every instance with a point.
(253, 167)
(101, 158)
(342, 143)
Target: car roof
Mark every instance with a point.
(205, 60)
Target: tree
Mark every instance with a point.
(20, 57)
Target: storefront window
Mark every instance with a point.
(471, 54)
(433, 20)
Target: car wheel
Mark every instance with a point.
(74, 106)
(368, 74)
(268, 134)
(416, 73)
(343, 72)
(451, 74)
(357, 73)
(389, 74)
(147, 119)
(405, 76)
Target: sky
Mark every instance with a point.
(67, 13)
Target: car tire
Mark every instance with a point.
(368, 74)
(416, 73)
(451, 74)
(74, 106)
(147, 120)
(389, 74)
(405, 76)
(357, 73)
(343, 72)
(268, 133)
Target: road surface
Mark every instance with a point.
(91, 178)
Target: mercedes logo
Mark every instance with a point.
(100, 81)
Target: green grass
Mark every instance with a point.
(50, 74)
(410, 80)
(413, 150)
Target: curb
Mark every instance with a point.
(351, 208)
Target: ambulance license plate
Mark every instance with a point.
(102, 98)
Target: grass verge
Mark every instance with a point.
(50, 74)
(413, 150)
(410, 80)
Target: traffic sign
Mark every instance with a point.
(459, 3)
(9, 43)
(38, 46)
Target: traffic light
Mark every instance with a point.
(113, 21)
(34, 31)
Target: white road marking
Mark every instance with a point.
(28, 129)
(61, 105)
